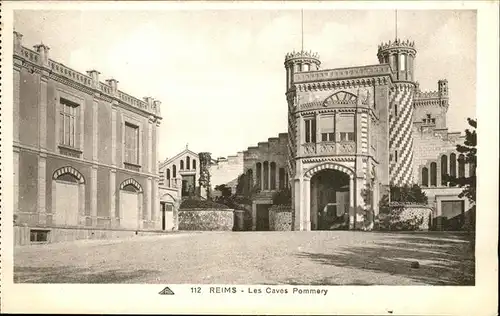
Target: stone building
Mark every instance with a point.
(350, 129)
(84, 151)
(354, 127)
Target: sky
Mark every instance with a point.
(219, 73)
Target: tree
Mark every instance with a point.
(283, 197)
(468, 184)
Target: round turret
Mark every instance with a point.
(302, 61)
(400, 55)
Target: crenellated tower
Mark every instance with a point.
(296, 62)
(400, 55)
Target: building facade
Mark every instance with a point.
(84, 151)
(366, 127)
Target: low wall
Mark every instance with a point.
(407, 217)
(280, 218)
(23, 234)
(206, 219)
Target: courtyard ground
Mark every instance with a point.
(305, 258)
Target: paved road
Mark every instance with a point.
(329, 258)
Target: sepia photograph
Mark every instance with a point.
(245, 151)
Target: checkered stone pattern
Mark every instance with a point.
(400, 134)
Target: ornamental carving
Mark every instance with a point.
(345, 148)
(309, 149)
(327, 148)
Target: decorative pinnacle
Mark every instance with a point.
(396, 44)
(301, 54)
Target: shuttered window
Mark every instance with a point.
(327, 128)
(131, 144)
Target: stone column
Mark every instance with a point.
(42, 160)
(352, 209)
(112, 198)
(93, 195)
(269, 175)
(318, 130)
(306, 183)
(277, 178)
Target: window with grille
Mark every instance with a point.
(327, 129)
(68, 118)
(131, 144)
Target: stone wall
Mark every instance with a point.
(407, 217)
(206, 219)
(54, 235)
(280, 218)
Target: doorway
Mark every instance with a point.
(330, 200)
(262, 223)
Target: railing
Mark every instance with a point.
(332, 74)
(329, 148)
(85, 80)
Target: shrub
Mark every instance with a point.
(283, 197)
(195, 203)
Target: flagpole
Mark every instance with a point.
(302, 25)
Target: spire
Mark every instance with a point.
(302, 28)
(396, 25)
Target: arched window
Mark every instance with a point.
(273, 175)
(258, 175)
(130, 204)
(182, 164)
(188, 163)
(282, 178)
(425, 177)
(194, 164)
(266, 176)
(453, 165)
(168, 174)
(461, 166)
(174, 171)
(444, 169)
(433, 174)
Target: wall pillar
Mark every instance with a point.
(93, 195)
(42, 161)
(150, 145)
(112, 198)
(16, 179)
(95, 130)
(16, 97)
(254, 216)
(42, 104)
(149, 200)
(352, 209)
(262, 179)
(306, 183)
(298, 204)
(113, 133)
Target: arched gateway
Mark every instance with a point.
(326, 200)
(330, 192)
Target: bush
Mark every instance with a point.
(283, 197)
(392, 221)
(195, 203)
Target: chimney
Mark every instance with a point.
(157, 106)
(113, 83)
(94, 74)
(43, 50)
(18, 41)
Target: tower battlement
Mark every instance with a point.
(301, 54)
(397, 44)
